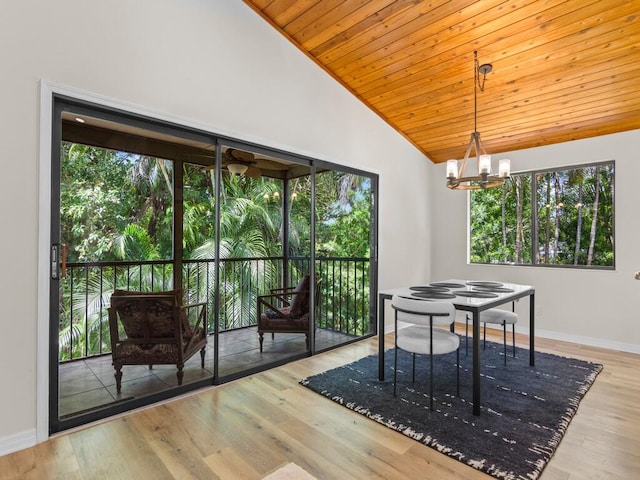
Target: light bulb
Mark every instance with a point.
(504, 167)
(484, 164)
(452, 169)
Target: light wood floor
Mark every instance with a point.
(250, 427)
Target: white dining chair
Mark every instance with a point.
(423, 336)
(495, 316)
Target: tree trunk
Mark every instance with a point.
(547, 233)
(576, 254)
(519, 229)
(594, 220)
(556, 220)
(504, 224)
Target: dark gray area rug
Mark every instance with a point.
(525, 410)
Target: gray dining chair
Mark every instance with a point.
(496, 316)
(423, 336)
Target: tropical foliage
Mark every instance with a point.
(569, 219)
(117, 212)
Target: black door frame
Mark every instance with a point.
(62, 103)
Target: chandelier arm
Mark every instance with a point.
(456, 179)
(466, 154)
(478, 144)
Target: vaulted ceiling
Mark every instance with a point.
(562, 69)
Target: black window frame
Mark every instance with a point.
(534, 254)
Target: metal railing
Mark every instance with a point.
(87, 288)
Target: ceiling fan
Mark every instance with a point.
(239, 162)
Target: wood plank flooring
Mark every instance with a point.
(248, 428)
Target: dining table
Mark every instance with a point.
(474, 296)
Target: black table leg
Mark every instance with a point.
(476, 362)
(532, 314)
(381, 299)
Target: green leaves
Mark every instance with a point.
(119, 206)
(569, 223)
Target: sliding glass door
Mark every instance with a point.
(345, 227)
(117, 224)
(277, 248)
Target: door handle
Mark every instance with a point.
(55, 256)
(58, 261)
(63, 260)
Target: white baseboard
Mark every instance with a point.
(565, 337)
(590, 341)
(17, 441)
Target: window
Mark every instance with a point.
(559, 217)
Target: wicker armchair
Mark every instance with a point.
(154, 329)
(286, 310)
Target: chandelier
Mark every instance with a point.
(457, 178)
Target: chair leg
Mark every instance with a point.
(413, 369)
(504, 339)
(395, 352)
(395, 369)
(431, 380)
(261, 338)
(466, 333)
(180, 374)
(118, 376)
(431, 362)
(458, 372)
(202, 354)
(513, 331)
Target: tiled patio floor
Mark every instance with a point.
(90, 383)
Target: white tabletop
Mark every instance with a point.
(460, 301)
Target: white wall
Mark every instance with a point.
(584, 306)
(217, 65)
(212, 64)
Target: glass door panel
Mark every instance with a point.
(115, 199)
(253, 238)
(344, 239)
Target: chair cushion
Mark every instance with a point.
(300, 303)
(282, 312)
(497, 315)
(416, 339)
(152, 319)
(275, 324)
(142, 354)
(177, 293)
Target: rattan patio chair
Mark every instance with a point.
(286, 310)
(154, 329)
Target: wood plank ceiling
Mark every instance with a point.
(562, 69)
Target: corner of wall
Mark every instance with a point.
(17, 441)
